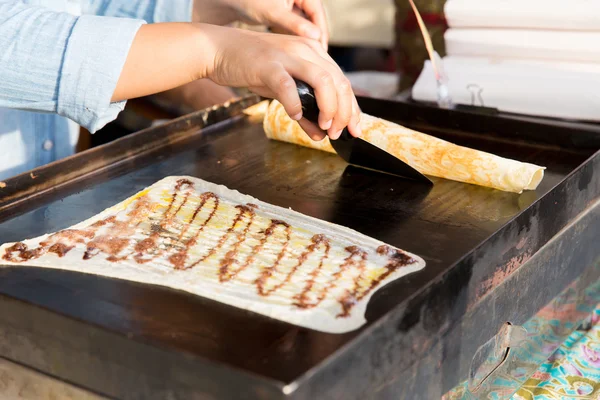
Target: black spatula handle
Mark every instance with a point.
(310, 109)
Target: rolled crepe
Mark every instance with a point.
(427, 154)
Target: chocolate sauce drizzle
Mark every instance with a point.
(173, 237)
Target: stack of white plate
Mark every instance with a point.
(537, 57)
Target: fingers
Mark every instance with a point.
(341, 109)
(282, 85)
(312, 130)
(301, 59)
(288, 21)
(347, 111)
(324, 85)
(354, 125)
(316, 13)
(344, 110)
(335, 99)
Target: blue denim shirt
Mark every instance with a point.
(59, 65)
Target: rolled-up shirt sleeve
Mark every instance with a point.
(151, 11)
(59, 63)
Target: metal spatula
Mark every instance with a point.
(357, 151)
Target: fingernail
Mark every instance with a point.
(327, 125)
(338, 134)
(316, 137)
(358, 130)
(297, 117)
(312, 32)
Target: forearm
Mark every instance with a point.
(163, 57)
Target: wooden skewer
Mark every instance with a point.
(427, 39)
(444, 99)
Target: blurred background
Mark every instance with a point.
(538, 58)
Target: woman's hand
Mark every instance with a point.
(282, 15)
(267, 63)
(165, 56)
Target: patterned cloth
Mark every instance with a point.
(573, 371)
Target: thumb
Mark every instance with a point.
(288, 21)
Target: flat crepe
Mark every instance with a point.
(195, 236)
(427, 154)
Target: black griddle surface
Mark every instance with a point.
(441, 224)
